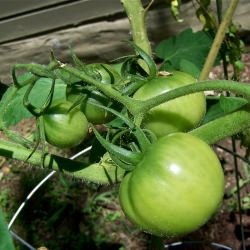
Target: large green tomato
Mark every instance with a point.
(175, 189)
(179, 115)
(64, 128)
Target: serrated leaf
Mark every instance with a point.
(5, 238)
(230, 104)
(188, 45)
(16, 111)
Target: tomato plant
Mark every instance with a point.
(176, 188)
(171, 183)
(178, 115)
(64, 127)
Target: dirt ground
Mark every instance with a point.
(224, 228)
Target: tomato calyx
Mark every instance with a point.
(148, 60)
(126, 158)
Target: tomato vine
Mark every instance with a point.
(131, 145)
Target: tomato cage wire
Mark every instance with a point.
(181, 245)
(32, 192)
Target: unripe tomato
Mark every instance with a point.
(175, 189)
(179, 115)
(64, 128)
(93, 113)
(106, 74)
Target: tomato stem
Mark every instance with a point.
(105, 88)
(242, 89)
(96, 173)
(223, 127)
(210, 132)
(218, 40)
(136, 15)
(138, 107)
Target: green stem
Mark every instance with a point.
(100, 173)
(210, 132)
(242, 89)
(137, 107)
(136, 15)
(218, 40)
(36, 68)
(11, 150)
(223, 127)
(105, 88)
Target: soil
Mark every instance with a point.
(60, 217)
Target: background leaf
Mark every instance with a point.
(190, 68)
(5, 237)
(230, 104)
(16, 111)
(214, 110)
(217, 107)
(189, 46)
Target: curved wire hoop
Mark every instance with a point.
(32, 192)
(178, 245)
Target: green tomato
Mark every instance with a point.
(175, 189)
(95, 115)
(179, 115)
(64, 128)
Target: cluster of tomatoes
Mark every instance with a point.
(66, 122)
(179, 183)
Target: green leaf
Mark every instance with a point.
(15, 111)
(230, 104)
(219, 107)
(214, 111)
(190, 68)
(188, 45)
(5, 238)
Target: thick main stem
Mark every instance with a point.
(136, 15)
(218, 40)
